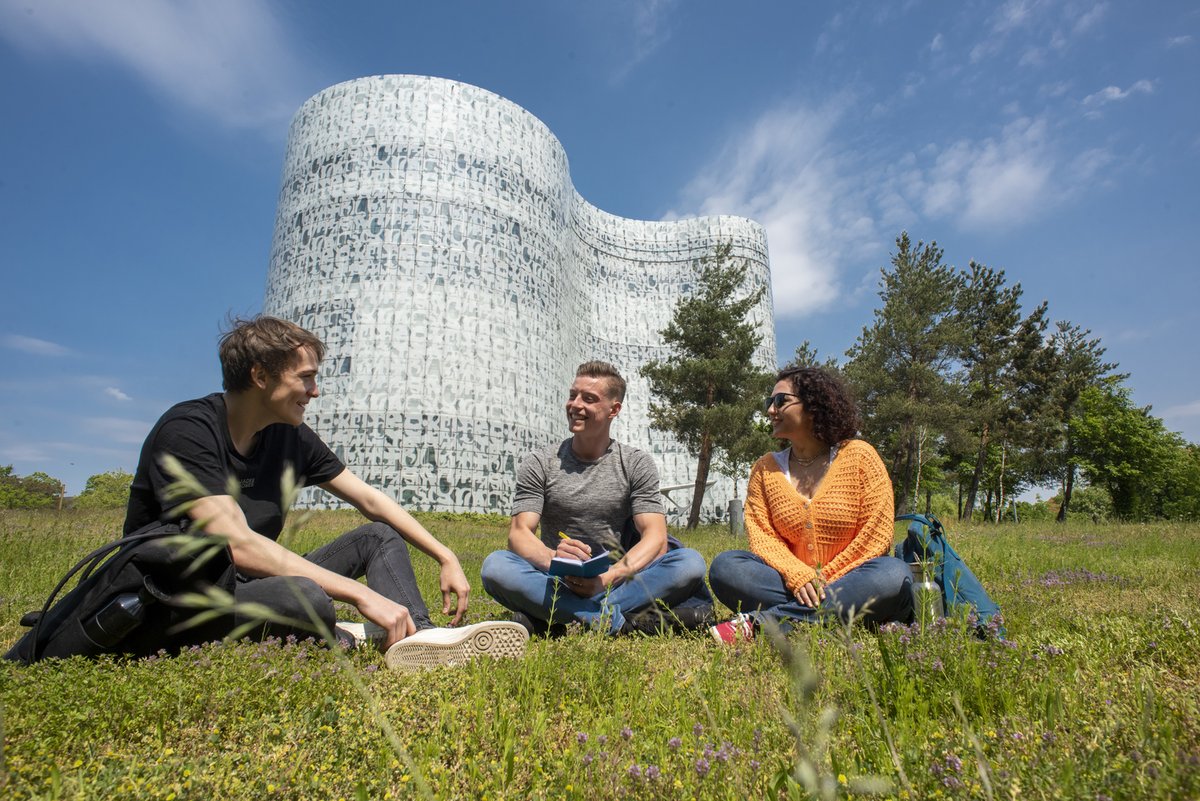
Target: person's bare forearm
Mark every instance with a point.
(525, 543)
(378, 507)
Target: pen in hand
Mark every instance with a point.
(585, 550)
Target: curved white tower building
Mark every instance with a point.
(428, 231)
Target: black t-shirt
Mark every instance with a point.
(196, 432)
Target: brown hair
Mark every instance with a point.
(616, 384)
(269, 342)
(827, 398)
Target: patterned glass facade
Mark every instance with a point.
(428, 231)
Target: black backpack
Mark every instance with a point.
(127, 600)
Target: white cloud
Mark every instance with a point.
(787, 172)
(1090, 18)
(225, 59)
(34, 346)
(996, 182)
(1179, 41)
(116, 429)
(116, 394)
(1184, 410)
(1112, 94)
(937, 44)
(650, 32)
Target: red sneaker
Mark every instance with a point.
(740, 627)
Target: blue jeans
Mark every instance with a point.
(675, 579)
(877, 591)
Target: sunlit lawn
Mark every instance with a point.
(1095, 696)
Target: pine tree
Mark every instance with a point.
(1075, 362)
(900, 366)
(998, 343)
(708, 390)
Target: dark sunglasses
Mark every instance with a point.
(780, 399)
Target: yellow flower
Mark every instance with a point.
(842, 779)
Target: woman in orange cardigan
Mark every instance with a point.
(819, 519)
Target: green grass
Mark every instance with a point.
(1096, 697)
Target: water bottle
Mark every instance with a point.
(119, 616)
(927, 595)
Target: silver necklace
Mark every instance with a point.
(807, 462)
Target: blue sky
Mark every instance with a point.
(143, 142)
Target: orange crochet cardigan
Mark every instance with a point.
(846, 522)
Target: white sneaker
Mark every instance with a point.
(445, 646)
(364, 634)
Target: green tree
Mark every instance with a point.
(1075, 360)
(105, 491)
(806, 356)
(900, 366)
(1129, 452)
(34, 491)
(737, 457)
(995, 358)
(707, 391)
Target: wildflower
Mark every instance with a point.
(581, 738)
(674, 743)
(697, 730)
(842, 780)
(587, 758)
(754, 765)
(634, 771)
(626, 733)
(602, 739)
(952, 761)
(372, 668)
(652, 772)
(702, 767)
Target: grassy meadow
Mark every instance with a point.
(1096, 695)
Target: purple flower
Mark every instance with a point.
(1053, 650)
(652, 772)
(952, 761)
(702, 767)
(754, 764)
(697, 730)
(937, 664)
(587, 758)
(581, 738)
(634, 771)
(372, 668)
(674, 743)
(626, 733)
(602, 739)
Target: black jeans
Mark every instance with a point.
(375, 550)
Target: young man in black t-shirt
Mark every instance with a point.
(238, 445)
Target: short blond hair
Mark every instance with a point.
(595, 369)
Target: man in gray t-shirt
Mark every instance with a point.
(589, 494)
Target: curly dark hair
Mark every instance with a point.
(828, 399)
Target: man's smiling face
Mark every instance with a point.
(289, 393)
(589, 406)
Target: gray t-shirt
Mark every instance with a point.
(588, 501)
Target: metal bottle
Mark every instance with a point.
(927, 595)
(119, 616)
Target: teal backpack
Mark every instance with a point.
(926, 542)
